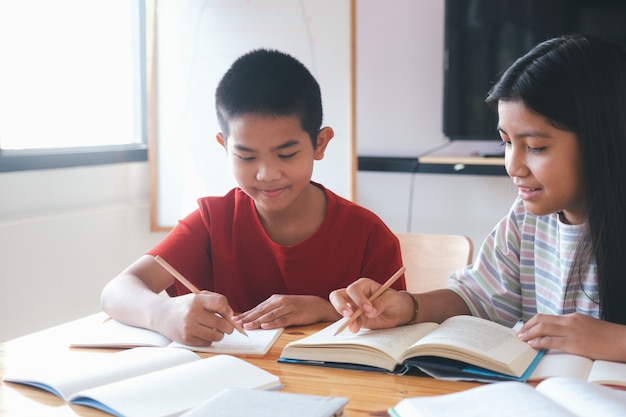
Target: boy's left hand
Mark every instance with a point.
(282, 310)
(577, 334)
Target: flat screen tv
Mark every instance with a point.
(483, 37)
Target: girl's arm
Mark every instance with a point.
(577, 334)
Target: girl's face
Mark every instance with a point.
(272, 159)
(543, 161)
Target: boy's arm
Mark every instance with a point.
(133, 297)
(281, 310)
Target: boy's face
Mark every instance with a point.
(272, 158)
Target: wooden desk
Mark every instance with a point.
(370, 394)
(462, 157)
(465, 157)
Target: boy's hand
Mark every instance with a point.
(391, 309)
(287, 310)
(195, 319)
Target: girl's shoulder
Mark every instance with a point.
(524, 219)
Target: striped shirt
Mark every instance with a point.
(523, 268)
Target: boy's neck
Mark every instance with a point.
(302, 220)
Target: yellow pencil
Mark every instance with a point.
(169, 268)
(377, 294)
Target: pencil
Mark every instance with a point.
(169, 268)
(374, 296)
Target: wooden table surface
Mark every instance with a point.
(370, 393)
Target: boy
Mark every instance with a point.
(274, 247)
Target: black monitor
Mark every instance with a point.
(483, 37)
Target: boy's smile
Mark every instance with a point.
(275, 193)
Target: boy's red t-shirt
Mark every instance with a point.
(222, 247)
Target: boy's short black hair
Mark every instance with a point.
(273, 83)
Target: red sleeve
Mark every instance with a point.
(360, 236)
(187, 248)
(383, 257)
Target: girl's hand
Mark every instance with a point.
(287, 310)
(577, 334)
(391, 309)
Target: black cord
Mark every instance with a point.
(411, 193)
(412, 183)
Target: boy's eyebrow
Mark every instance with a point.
(284, 145)
(287, 144)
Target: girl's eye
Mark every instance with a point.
(536, 150)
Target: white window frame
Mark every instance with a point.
(49, 158)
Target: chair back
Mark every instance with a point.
(430, 259)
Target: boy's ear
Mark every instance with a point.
(220, 139)
(323, 137)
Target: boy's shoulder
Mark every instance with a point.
(335, 199)
(225, 205)
(231, 196)
(347, 208)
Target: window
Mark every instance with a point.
(72, 83)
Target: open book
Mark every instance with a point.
(141, 381)
(109, 333)
(462, 347)
(553, 397)
(557, 363)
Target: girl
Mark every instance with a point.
(558, 259)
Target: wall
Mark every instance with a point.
(399, 113)
(64, 233)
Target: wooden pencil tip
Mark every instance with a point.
(342, 327)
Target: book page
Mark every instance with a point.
(110, 333)
(177, 389)
(68, 374)
(511, 399)
(382, 348)
(583, 398)
(479, 342)
(258, 342)
(608, 373)
(557, 363)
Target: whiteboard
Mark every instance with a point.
(192, 45)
